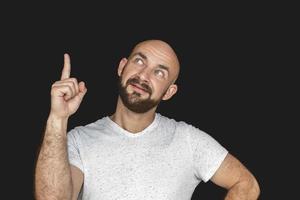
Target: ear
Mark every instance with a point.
(121, 66)
(170, 92)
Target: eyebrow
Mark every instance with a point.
(145, 57)
(140, 54)
(164, 67)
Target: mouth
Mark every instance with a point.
(138, 88)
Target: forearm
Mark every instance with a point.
(53, 174)
(244, 190)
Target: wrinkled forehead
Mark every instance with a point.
(159, 52)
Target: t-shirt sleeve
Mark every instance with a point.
(73, 149)
(207, 153)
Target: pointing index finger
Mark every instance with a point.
(67, 67)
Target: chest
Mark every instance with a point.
(134, 163)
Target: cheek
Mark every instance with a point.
(158, 90)
(126, 75)
(123, 81)
(129, 70)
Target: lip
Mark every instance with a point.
(137, 87)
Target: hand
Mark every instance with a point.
(66, 94)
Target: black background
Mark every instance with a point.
(235, 83)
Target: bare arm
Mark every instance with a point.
(54, 177)
(239, 181)
(77, 180)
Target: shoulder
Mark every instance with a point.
(90, 128)
(186, 128)
(165, 121)
(180, 125)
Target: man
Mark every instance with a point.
(135, 153)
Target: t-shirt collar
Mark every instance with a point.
(119, 129)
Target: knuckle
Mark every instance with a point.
(53, 90)
(72, 83)
(75, 83)
(54, 84)
(74, 79)
(68, 83)
(69, 87)
(72, 86)
(53, 87)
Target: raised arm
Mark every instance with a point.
(54, 177)
(237, 179)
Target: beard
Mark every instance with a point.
(134, 101)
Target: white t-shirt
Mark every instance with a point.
(165, 161)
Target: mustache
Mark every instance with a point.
(137, 81)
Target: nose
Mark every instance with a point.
(144, 74)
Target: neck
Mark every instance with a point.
(131, 121)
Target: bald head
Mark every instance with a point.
(162, 51)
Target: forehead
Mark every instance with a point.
(159, 53)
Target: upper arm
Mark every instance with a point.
(231, 172)
(77, 181)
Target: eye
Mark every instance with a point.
(159, 73)
(139, 61)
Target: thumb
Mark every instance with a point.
(82, 89)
